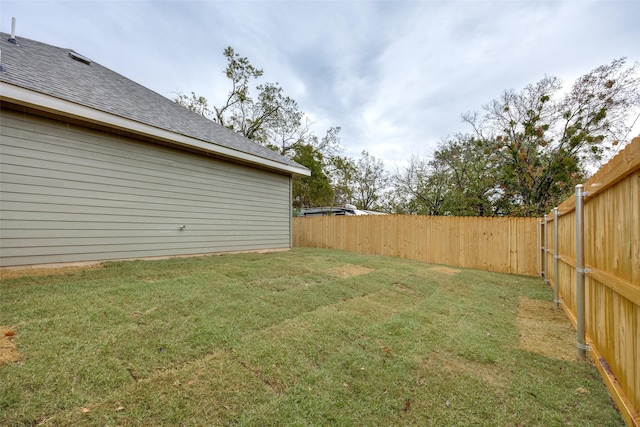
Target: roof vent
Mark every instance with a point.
(79, 57)
(12, 39)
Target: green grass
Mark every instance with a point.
(280, 339)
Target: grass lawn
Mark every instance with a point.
(307, 337)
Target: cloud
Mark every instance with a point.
(396, 76)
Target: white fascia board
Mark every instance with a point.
(51, 104)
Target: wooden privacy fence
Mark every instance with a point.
(606, 307)
(598, 285)
(506, 245)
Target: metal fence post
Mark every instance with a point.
(540, 247)
(556, 257)
(580, 271)
(545, 250)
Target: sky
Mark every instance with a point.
(396, 76)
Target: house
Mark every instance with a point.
(95, 167)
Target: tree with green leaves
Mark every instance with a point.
(370, 182)
(458, 180)
(364, 183)
(314, 190)
(528, 149)
(240, 71)
(470, 173)
(420, 188)
(544, 139)
(197, 104)
(342, 171)
(274, 120)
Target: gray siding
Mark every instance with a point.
(69, 193)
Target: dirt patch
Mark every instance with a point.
(408, 291)
(8, 351)
(544, 329)
(348, 270)
(449, 365)
(445, 270)
(7, 273)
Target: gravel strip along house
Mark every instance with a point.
(95, 167)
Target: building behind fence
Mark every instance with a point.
(611, 268)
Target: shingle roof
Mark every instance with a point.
(50, 70)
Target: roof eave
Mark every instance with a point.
(47, 103)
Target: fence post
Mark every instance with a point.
(540, 247)
(580, 271)
(545, 250)
(556, 257)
